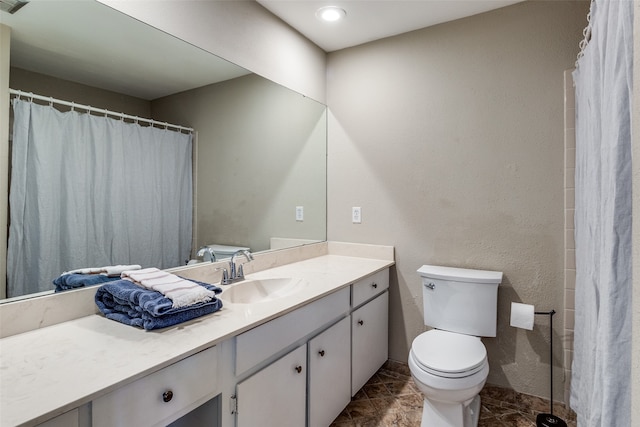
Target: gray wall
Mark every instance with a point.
(65, 90)
(451, 140)
(261, 152)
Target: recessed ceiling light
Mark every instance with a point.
(331, 13)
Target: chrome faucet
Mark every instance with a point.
(207, 254)
(236, 273)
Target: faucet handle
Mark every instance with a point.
(240, 274)
(207, 254)
(225, 277)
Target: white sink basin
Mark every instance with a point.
(255, 291)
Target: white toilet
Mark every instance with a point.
(449, 363)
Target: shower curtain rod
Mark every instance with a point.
(104, 111)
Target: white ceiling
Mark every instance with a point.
(368, 20)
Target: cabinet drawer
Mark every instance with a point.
(261, 342)
(365, 289)
(144, 402)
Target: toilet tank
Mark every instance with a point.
(460, 300)
(225, 251)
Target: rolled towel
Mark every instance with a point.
(117, 270)
(131, 304)
(86, 270)
(109, 270)
(182, 292)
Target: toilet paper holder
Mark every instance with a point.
(548, 420)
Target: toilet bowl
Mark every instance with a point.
(449, 363)
(450, 370)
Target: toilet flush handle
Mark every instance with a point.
(430, 285)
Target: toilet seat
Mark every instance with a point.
(448, 354)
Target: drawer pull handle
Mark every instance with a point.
(360, 322)
(374, 285)
(167, 396)
(321, 353)
(298, 369)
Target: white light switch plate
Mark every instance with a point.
(356, 215)
(299, 213)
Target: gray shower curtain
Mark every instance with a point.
(601, 371)
(93, 191)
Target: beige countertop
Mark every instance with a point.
(46, 372)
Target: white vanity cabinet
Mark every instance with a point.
(369, 328)
(275, 396)
(161, 397)
(332, 347)
(329, 374)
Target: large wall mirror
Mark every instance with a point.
(259, 148)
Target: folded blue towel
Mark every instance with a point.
(133, 305)
(77, 280)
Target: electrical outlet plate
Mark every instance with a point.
(299, 213)
(356, 215)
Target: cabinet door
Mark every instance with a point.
(276, 395)
(369, 340)
(329, 374)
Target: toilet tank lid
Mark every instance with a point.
(227, 249)
(460, 274)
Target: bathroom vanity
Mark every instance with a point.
(291, 358)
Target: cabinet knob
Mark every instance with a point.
(167, 396)
(374, 285)
(360, 322)
(298, 369)
(321, 353)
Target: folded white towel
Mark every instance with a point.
(117, 270)
(110, 270)
(87, 270)
(182, 292)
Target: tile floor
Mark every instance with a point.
(391, 399)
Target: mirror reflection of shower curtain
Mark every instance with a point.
(91, 191)
(601, 370)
